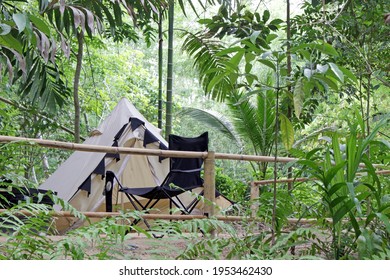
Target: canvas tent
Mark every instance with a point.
(80, 179)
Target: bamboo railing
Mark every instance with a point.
(209, 171)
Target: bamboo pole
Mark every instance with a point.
(255, 194)
(176, 217)
(209, 184)
(137, 151)
(141, 151)
(271, 181)
(293, 180)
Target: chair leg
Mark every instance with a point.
(133, 202)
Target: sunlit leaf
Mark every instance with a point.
(254, 36)
(4, 29)
(287, 132)
(335, 69)
(20, 20)
(299, 97)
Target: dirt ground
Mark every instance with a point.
(143, 248)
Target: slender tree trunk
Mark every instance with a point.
(160, 70)
(76, 83)
(275, 192)
(168, 124)
(289, 69)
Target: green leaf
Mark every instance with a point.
(268, 63)
(348, 73)
(385, 220)
(335, 188)
(287, 132)
(10, 41)
(20, 20)
(340, 214)
(299, 97)
(326, 49)
(271, 37)
(236, 59)
(351, 189)
(335, 202)
(335, 69)
(263, 43)
(276, 21)
(4, 29)
(254, 36)
(215, 81)
(326, 81)
(40, 24)
(229, 50)
(249, 57)
(266, 16)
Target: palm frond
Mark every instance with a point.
(255, 120)
(210, 64)
(214, 120)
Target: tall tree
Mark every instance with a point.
(168, 124)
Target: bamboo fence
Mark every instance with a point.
(209, 173)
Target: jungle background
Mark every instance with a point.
(309, 80)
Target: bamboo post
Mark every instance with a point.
(209, 184)
(255, 193)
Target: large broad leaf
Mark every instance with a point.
(327, 82)
(325, 48)
(11, 42)
(287, 132)
(268, 63)
(348, 74)
(40, 24)
(5, 29)
(335, 69)
(20, 20)
(299, 97)
(213, 119)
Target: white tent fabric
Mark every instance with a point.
(132, 170)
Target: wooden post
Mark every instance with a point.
(255, 192)
(209, 184)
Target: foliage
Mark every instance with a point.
(346, 194)
(233, 189)
(29, 230)
(250, 242)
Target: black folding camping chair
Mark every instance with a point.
(184, 175)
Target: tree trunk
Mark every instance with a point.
(76, 83)
(168, 124)
(160, 70)
(289, 107)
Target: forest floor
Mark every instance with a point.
(137, 246)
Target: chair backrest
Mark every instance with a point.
(185, 172)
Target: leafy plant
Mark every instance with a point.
(346, 193)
